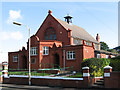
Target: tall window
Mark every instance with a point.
(45, 50)
(50, 34)
(33, 51)
(70, 55)
(15, 58)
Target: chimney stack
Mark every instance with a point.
(98, 37)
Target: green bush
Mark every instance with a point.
(115, 63)
(96, 65)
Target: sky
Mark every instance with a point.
(94, 17)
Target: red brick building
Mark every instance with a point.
(57, 43)
(18, 59)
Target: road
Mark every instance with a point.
(27, 87)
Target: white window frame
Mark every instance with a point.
(107, 56)
(113, 56)
(70, 55)
(15, 58)
(34, 51)
(98, 55)
(45, 50)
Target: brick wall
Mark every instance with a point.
(22, 58)
(66, 82)
(113, 81)
(88, 52)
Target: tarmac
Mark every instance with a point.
(27, 87)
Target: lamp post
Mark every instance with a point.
(19, 24)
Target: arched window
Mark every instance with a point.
(50, 34)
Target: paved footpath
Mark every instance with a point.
(27, 87)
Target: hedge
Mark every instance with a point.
(115, 63)
(96, 65)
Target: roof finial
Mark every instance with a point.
(49, 11)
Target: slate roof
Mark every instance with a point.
(77, 32)
(117, 47)
(105, 52)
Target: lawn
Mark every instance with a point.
(27, 73)
(77, 75)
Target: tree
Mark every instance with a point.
(104, 46)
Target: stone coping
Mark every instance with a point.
(43, 77)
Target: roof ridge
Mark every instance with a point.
(69, 24)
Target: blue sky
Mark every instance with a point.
(94, 17)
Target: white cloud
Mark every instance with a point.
(11, 35)
(16, 35)
(14, 15)
(3, 56)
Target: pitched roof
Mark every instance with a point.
(77, 32)
(105, 52)
(117, 47)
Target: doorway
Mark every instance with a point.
(24, 62)
(56, 60)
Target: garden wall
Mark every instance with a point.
(111, 79)
(47, 81)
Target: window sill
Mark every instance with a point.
(33, 55)
(15, 62)
(45, 54)
(71, 59)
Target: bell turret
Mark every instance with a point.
(68, 19)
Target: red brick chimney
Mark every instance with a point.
(98, 37)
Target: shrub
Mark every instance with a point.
(96, 65)
(115, 63)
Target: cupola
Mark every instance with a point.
(68, 19)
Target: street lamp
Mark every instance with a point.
(19, 24)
